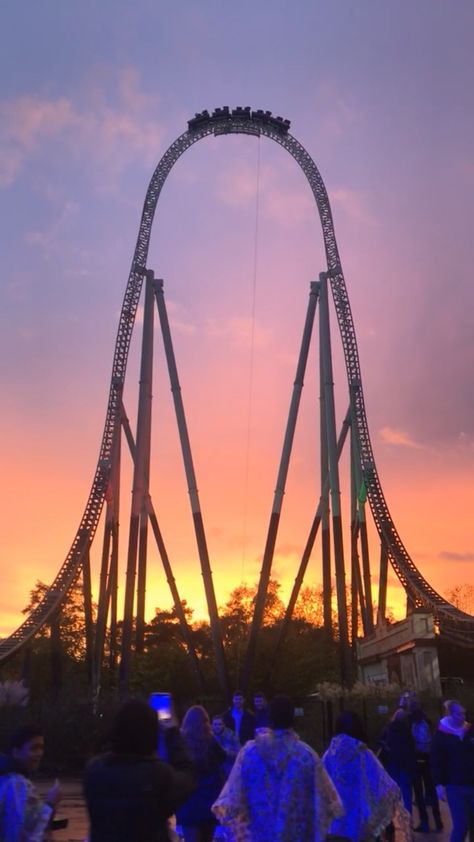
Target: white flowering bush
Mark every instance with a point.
(328, 690)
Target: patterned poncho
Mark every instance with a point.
(370, 797)
(278, 791)
(24, 817)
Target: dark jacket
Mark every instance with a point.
(130, 797)
(196, 810)
(452, 758)
(262, 718)
(247, 725)
(398, 748)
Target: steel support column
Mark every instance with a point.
(309, 547)
(357, 591)
(140, 487)
(324, 503)
(178, 605)
(144, 432)
(383, 576)
(345, 655)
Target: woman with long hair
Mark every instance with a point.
(194, 816)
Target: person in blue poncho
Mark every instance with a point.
(278, 790)
(371, 799)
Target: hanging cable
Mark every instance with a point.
(250, 388)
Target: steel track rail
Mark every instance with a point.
(452, 621)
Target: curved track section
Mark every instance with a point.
(458, 625)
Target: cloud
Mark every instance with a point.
(112, 136)
(399, 438)
(26, 122)
(179, 323)
(450, 556)
(353, 204)
(181, 326)
(237, 188)
(341, 111)
(239, 332)
(49, 240)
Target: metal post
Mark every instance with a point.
(140, 475)
(280, 486)
(308, 548)
(178, 605)
(111, 524)
(324, 503)
(357, 592)
(214, 621)
(89, 621)
(360, 494)
(364, 545)
(382, 606)
(112, 587)
(113, 596)
(143, 441)
(346, 671)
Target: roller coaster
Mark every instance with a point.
(366, 485)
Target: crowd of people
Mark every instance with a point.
(245, 776)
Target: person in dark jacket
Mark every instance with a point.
(194, 816)
(130, 792)
(239, 719)
(399, 754)
(425, 792)
(262, 715)
(452, 756)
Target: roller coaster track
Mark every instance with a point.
(456, 624)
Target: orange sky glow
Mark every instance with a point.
(237, 241)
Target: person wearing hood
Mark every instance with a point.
(24, 816)
(452, 757)
(278, 790)
(371, 798)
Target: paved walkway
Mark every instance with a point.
(73, 808)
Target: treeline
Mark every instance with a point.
(56, 660)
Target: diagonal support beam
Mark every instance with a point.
(324, 327)
(310, 544)
(280, 486)
(178, 605)
(216, 630)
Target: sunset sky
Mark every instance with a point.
(380, 93)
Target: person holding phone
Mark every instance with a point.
(23, 814)
(131, 792)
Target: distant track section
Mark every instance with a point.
(453, 622)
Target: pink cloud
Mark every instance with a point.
(353, 203)
(239, 332)
(340, 111)
(109, 136)
(399, 438)
(237, 188)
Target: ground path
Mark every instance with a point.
(73, 808)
